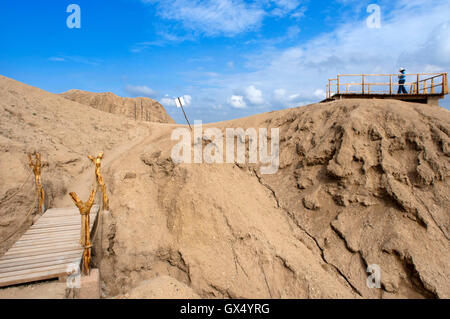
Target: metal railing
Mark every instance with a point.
(387, 84)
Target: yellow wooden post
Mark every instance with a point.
(338, 85)
(363, 85)
(99, 178)
(445, 84)
(417, 84)
(425, 89)
(390, 84)
(328, 89)
(36, 167)
(432, 86)
(85, 210)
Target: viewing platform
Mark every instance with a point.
(427, 88)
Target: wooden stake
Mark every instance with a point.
(85, 210)
(36, 167)
(99, 178)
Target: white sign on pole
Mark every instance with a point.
(179, 101)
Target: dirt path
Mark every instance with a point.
(84, 183)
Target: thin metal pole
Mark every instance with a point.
(185, 114)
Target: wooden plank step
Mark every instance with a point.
(75, 237)
(47, 221)
(36, 276)
(43, 242)
(66, 261)
(30, 271)
(58, 222)
(40, 258)
(52, 230)
(36, 250)
(62, 214)
(52, 235)
(76, 220)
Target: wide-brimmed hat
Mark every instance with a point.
(402, 70)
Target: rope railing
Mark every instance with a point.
(435, 83)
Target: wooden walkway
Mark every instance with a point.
(47, 249)
(425, 87)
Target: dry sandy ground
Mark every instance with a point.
(43, 290)
(360, 182)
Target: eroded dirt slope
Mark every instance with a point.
(141, 108)
(360, 182)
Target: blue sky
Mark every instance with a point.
(230, 58)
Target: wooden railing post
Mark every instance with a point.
(390, 84)
(445, 84)
(37, 167)
(417, 84)
(85, 240)
(329, 89)
(363, 85)
(99, 178)
(338, 84)
(432, 86)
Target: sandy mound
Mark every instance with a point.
(141, 108)
(163, 287)
(360, 183)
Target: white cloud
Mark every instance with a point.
(167, 101)
(237, 101)
(253, 95)
(75, 59)
(140, 90)
(281, 97)
(224, 17)
(287, 7)
(56, 59)
(211, 17)
(187, 99)
(320, 94)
